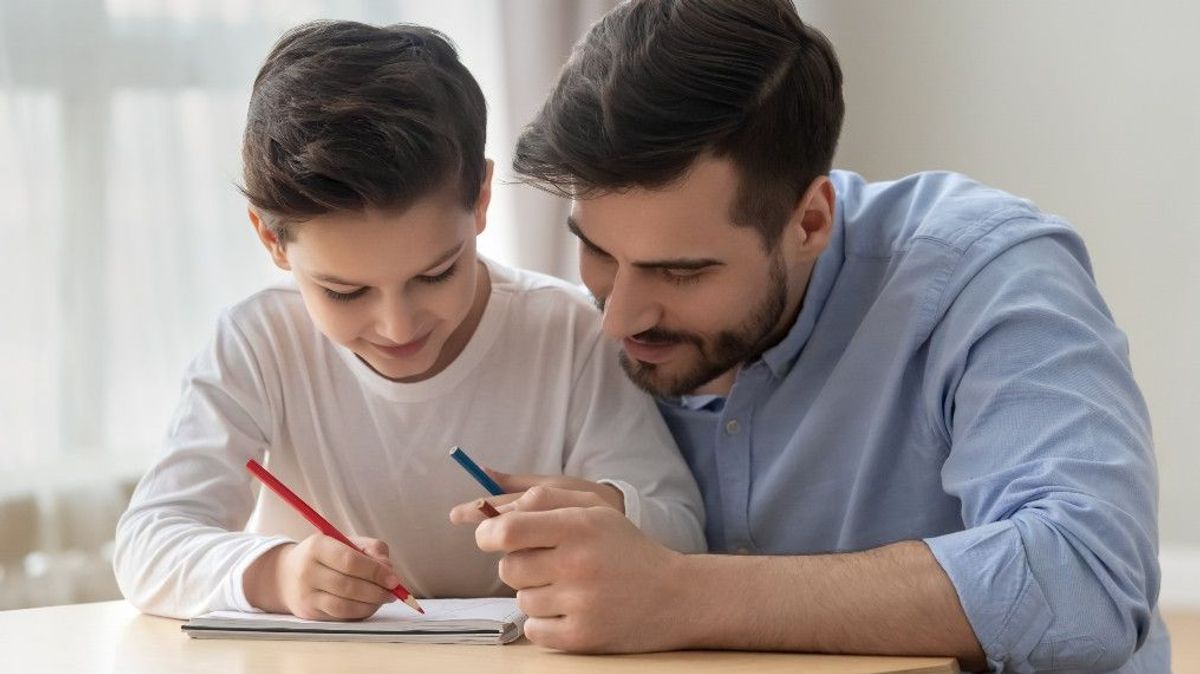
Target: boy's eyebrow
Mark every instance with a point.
(678, 263)
(329, 278)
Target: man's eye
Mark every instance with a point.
(343, 297)
(592, 250)
(683, 276)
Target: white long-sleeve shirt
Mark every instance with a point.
(536, 390)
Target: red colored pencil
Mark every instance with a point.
(319, 522)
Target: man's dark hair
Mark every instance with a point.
(347, 117)
(656, 84)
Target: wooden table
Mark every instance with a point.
(113, 637)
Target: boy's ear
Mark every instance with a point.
(485, 198)
(270, 240)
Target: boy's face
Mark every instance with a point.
(689, 294)
(404, 291)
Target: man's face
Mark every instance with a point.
(395, 288)
(689, 294)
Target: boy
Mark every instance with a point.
(365, 173)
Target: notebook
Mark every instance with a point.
(446, 621)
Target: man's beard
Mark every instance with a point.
(717, 355)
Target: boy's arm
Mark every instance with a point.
(180, 550)
(619, 438)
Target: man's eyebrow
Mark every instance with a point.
(678, 263)
(573, 225)
(329, 278)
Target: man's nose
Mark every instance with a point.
(629, 308)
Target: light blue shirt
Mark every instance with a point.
(953, 376)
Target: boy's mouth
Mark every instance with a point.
(402, 350)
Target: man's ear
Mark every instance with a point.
(485, 198)
(811, 223)
(270, 240)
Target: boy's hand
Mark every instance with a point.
(538, 492)
(322, 579)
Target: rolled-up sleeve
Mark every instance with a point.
(1051, 458)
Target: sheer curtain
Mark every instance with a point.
(121, 234)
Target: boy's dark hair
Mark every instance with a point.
(346, 117)
(657, 83)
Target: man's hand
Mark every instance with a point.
(516, 487)
(322, 579)
(588, 579)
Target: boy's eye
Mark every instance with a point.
(438, 278)
(343, 297)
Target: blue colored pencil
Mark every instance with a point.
(476, 472)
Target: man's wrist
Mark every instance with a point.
(695, 599)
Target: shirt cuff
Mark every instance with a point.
(234, 594)
(633, 500)
(1002, 599)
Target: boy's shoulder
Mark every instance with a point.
(539, 290)
(540, 302)
(274, 308)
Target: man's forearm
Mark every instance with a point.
(893, 600)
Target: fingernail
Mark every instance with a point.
(391, 581)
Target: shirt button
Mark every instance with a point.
(743, 550)
(732, 427)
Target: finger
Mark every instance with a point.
(540, 602)
(329, 581)
(340, 608)
(468, 513)
(548, 632)
(518, 482)
(313, 613)
(544, 497)
(351, 562)
(374, 548)
(522, 530)
(524, 569)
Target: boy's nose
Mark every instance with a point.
(397, 323)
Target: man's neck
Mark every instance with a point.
(719, 386)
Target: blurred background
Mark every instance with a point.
(122, 236)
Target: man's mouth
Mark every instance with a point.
(650, 350)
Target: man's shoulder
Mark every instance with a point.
(933, 210)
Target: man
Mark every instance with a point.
(906, 400)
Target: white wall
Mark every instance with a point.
(1092, 109)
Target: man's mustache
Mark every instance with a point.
(657, 335)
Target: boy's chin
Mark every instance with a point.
(398, 369)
